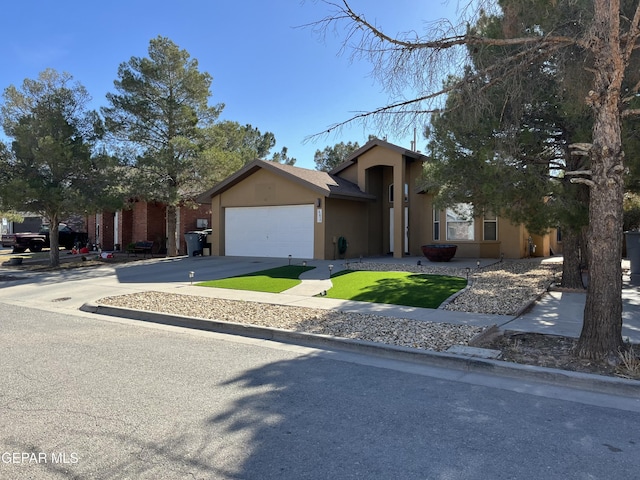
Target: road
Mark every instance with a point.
(87, 397)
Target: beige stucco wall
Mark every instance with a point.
(511, 243)
(264, 188)
(348, 219)
(542, 243)
(378, 168)
(372, 172)
(366, 225)
(554, 244)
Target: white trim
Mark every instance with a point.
(462, 218)
(484, 224)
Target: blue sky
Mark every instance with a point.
(267, 72)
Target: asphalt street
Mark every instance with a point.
(90, 397)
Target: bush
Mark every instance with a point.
(631, 206)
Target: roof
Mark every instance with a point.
(376, 142)
(323, 183)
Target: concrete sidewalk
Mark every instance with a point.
(560, 316)
(560, 313)
(81, 289)
(556, 313)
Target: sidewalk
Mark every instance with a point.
(556, 313)
(81, 289)
(552, 318)
(560, 313)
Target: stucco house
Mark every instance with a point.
(371, 200)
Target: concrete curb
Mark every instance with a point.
(550, 376)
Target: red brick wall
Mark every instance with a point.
(188, 222)
(126, 228)
(100, 228)
(144, 221)
(106, 230)
(139, 221)
(91, 226)
(156, 226)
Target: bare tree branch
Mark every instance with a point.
(439, 51)
(584, 181)
(630, 112)
(631, 37)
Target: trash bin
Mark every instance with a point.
(633, 254)
(195, 243)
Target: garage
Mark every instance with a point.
(275, 231)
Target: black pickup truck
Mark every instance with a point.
(35, 242)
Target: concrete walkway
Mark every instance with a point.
(78, 291)
(556, 313)
(560, 313)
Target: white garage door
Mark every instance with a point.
(269, 231)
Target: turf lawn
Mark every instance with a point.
(274, 280)
(395, 288)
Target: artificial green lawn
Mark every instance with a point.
(274, 280)
(395, 288)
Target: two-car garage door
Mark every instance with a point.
(277, 231)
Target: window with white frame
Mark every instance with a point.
(490, 226)
(436, 224)
(460, 222)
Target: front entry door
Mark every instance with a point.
(406, 230)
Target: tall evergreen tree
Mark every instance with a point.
(160, 109)
(517, 142)
(329, 158)
(603, 33)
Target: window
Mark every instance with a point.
(406, 193)
(460, 222)
(490, 226)
(436, 224)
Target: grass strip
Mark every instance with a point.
(273, 280)
(394, 288)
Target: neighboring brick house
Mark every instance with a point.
(144, 221)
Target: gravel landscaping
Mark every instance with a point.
(503, 288)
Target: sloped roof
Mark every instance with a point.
(376, 142)
(323, 183)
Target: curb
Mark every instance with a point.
(550, 376)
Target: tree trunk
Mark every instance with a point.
(572, 264)
(54, 241)
(601, 334)
(172, 234)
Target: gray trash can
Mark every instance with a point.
(195, 243)
(633, 254)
